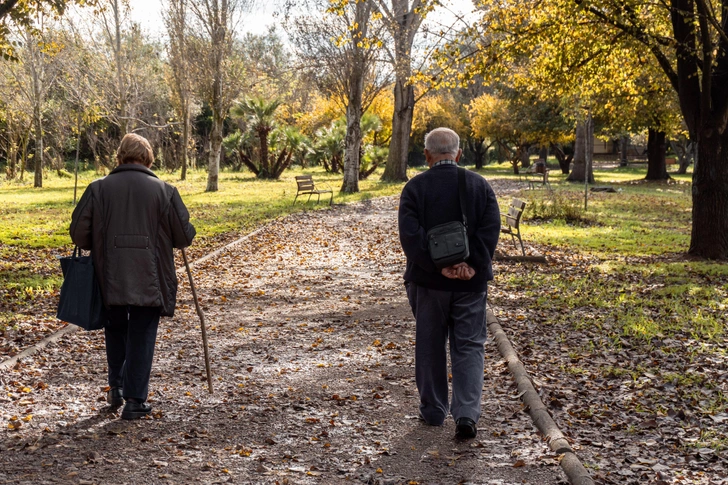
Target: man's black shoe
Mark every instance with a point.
(465, 429)
(135, 410)
(114, 398)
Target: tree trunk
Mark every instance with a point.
(404, 103)
(543, 153)
(690, 157)
(24, 160)
(578, 172)
(656, 148)
(562, 158)
(185, 139)
(501, 152)
(516, 160)
(218, 25)
(709, 236)
(265, 169)
(353, 143)
(524, 156)
(36, 70)
(123, 122)
(92, 142)
(12, 162)
(38, 122)
(213, 166)
(12, 150)
(623, 146)
(75, 164)
(480, 151)
(685, 151)
(403, 20)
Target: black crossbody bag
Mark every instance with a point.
(448, 243)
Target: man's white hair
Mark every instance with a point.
(442, 141)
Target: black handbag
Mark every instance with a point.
(448, 242)
(80, 302)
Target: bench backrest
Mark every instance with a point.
(515, 211)
(304, 182)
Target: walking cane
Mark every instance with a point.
(202, 322)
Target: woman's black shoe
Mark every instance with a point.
(465, 429)
(114, 398)
(135, 410)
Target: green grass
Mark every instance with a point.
(640, 219)
(638, 283)
(39, 218)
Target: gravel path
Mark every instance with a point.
(312, 346)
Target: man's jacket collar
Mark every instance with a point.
(133, 166)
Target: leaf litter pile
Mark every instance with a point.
(312, 346)
(650, 411)
(27, 313)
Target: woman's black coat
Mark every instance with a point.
(131, 221)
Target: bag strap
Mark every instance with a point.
(461, 191)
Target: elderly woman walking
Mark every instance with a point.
(131, 221)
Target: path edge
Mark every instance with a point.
(570, 463)
(70, 328)
(7, 364)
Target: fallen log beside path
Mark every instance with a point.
(570, 463)
(525, 259)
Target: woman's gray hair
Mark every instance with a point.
(442, 141)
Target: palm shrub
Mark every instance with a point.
(259, 116)
(373, 157)
(371, 154)
(240, 145)
(286, 142)
(328, 147)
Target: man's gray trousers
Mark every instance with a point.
(459, 317)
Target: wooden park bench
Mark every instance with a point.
(512, 224)
(538, 174)
(306, 186)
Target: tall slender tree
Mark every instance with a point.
(35, 76)
(218, 76)
(341, 52)
(402, 18)
(176, 21)
(112, 29)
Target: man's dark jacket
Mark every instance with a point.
(431, 198)
(131, 221)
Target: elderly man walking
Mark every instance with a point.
(449, 303)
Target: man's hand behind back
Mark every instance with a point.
(460, 271)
